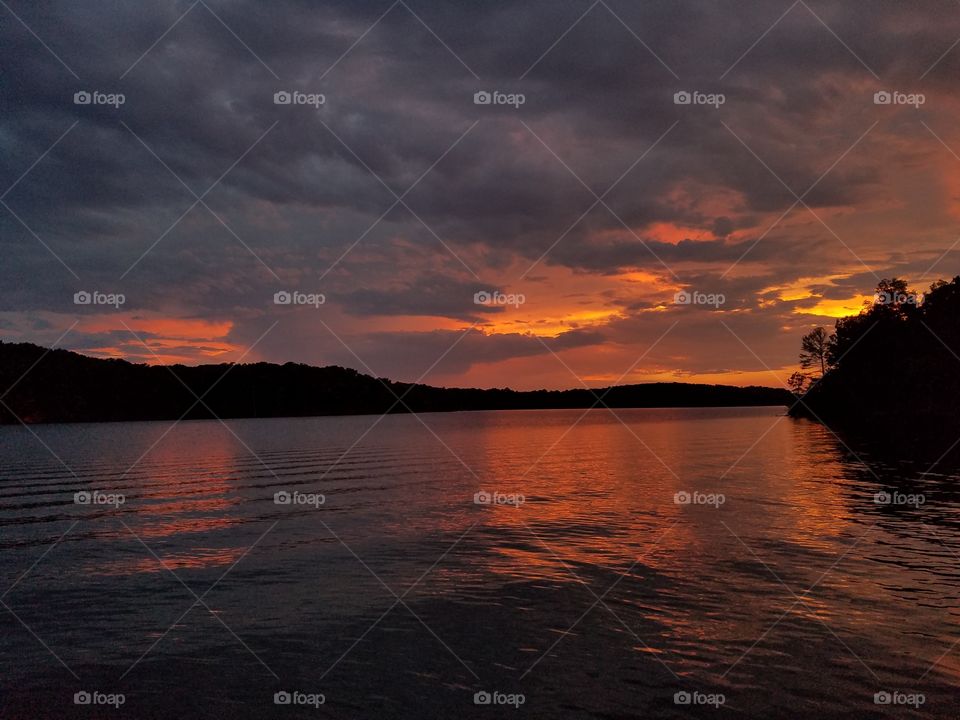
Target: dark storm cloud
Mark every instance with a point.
(419, 356)
(437, 295)
(398, 100)
(410, 355)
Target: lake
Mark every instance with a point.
(654, 563)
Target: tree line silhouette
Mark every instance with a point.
(892, 372)
(41, 385)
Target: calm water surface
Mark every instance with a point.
(600, 596)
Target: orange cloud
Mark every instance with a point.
(158, 339)
(836, 308)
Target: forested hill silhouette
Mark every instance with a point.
(891, 373)
(63, 386)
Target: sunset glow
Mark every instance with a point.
(705, 236)
(416, 359)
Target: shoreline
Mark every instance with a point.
(58, 423)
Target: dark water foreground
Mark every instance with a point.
(680, 563)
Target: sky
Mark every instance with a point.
(472, 192)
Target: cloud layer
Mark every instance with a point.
(785, 186)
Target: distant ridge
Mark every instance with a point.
(65, 386)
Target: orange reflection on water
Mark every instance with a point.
(597, 497)
(180, 525)
(186, 506)
(811, 492)
(599, 505)
(195, 559)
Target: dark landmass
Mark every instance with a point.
(64, 386)
(892, 373)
